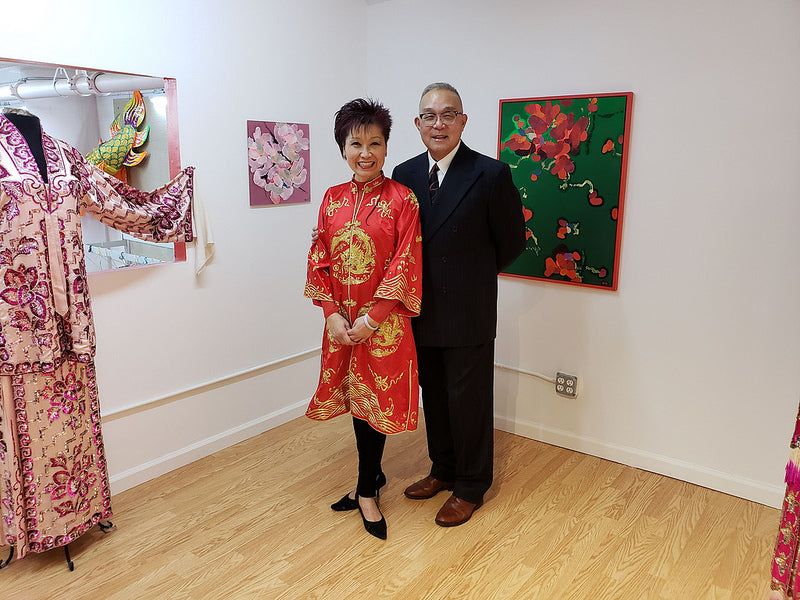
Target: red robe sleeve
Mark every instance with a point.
(402, 280)
(318, 277)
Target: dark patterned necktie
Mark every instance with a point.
(433, 181)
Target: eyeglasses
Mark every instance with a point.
(448, 117)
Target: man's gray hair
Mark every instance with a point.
(439, 85)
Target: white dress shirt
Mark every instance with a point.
(444, 164)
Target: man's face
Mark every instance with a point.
(440, 138)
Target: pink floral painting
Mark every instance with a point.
(278, 163)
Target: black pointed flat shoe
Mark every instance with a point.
(348, 503)
(376, 528)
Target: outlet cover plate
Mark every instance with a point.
(566, 385)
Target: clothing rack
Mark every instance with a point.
(108, 250)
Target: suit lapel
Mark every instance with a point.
(419, 174)
(457, 182)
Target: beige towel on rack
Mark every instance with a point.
(203, 237)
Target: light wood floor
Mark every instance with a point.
(253, 521)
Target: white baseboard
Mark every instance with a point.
(168, 462)
(756, 491)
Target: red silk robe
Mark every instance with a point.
(368, 252)
(53, 477)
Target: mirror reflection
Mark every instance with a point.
(117, 121)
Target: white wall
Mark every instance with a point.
(690, 369)
(673, 366)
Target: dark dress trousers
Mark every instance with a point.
(472, 230)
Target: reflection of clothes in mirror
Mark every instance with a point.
(53, 477)
(368, 251)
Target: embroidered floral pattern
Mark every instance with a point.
(65, 396)
(166, 217)
(72, 481)
(23, 288)
(69, 493)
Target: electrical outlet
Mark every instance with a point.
(566, 385)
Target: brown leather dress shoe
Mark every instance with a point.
(455, 512)
(427, 488)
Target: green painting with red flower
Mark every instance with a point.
(568, 157)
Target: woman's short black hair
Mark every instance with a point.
(360, 113)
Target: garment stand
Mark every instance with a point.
(104, 527)
(70, 564)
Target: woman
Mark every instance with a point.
(364, 270)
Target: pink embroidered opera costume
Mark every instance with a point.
(368, 253)
(786, 562)
(53, 479)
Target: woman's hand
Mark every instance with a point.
(359, 332)
(339, 329)
(314, 234)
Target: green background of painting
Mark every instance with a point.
(597, 239)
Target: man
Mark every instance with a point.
(472, 228)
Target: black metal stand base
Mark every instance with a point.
(8, 560)
(104, 527)
(70, 564)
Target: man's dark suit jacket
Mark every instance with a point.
(473, 230)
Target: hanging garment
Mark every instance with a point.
(786, 563)
(53, 477)
(369, 252)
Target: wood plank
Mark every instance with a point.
(253, 521)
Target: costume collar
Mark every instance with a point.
(367, 186)
(23, 156)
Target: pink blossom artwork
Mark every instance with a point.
(278, 163)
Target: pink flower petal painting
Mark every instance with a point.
(278, 163)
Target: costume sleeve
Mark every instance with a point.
(382, 309)
(318, 276)
(402, 280)
(506, 219)
(163, 215)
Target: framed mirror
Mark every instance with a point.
(78, 105)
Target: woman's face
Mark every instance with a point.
(365, 152)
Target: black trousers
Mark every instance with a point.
(458, 403)
(370, 444)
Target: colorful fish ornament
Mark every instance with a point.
(118, 152)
